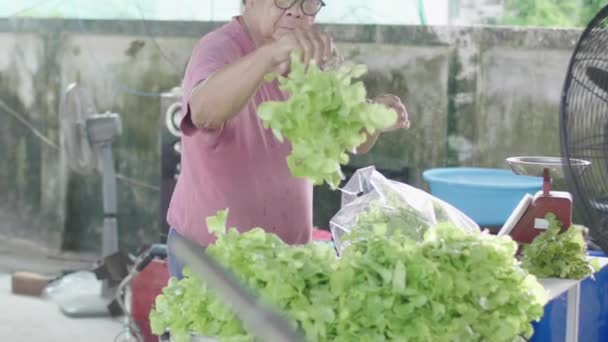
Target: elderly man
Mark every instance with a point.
(228, 159)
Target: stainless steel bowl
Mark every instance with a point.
(534, 166)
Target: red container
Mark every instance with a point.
(528, 221)
(321, 235)
(533, 223)
(145, 287)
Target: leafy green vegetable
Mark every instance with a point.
(324, 118)
(217, 224)
(451, 286)
(557, 254)
(395, 217)
(295, 280)
(457, 286)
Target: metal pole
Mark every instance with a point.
(572, 315)
(109, 240)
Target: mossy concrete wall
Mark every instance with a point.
(475, 96)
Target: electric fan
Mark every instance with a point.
(584, 127)
(86, 138)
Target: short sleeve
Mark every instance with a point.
(213, 52)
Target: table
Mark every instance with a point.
(577, 310)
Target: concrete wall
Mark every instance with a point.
(475, 96)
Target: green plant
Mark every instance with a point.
(557, 13)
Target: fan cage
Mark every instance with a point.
(584, 126)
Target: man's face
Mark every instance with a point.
(273, 22)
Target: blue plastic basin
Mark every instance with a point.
(487, 196)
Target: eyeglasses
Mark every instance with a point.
(309, 7)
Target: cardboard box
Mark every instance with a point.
(29, 284)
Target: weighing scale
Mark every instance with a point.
(528, 219)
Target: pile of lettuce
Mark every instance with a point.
(451, 286)
(557, 254)
(295, 280)
(324, 119)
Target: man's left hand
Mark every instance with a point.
(394, 103)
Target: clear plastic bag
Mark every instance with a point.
(81, 283)
(369, 199)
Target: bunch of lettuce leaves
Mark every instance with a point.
(292, 279)
(557, 254)
(451, 286)
(324, 119)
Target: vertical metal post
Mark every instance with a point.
(572, 315)
(109, 238)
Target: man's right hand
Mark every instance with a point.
(314, 45)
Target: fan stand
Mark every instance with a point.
(101, 129)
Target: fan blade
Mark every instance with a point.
(599, 77)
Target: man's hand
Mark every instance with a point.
(394, 103)
(313, 43)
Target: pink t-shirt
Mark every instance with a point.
(240, 166)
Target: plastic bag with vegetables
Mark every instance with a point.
(372, 202)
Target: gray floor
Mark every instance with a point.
(27, 319)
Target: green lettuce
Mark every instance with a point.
(450, 286)
(324, 118)
(557, 254)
